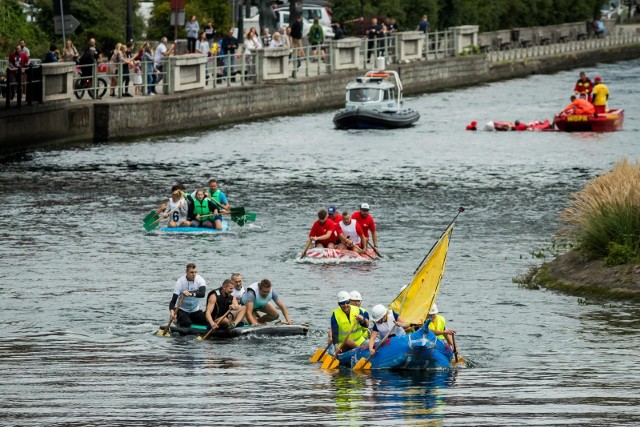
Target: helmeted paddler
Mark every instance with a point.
(356, 299)
(438, 325)
(347, 323)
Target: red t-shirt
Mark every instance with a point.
(318, 230)
(521, 126)
(366, 223)
(336, 217)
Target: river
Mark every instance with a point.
(85, 288)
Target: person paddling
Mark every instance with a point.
(352, 235)
(367, 223)
(203, 212)
(323, 233)
(219, 302)
(193, 287)
(438, 325)
(258, 298)
(385, 321)
(177, 207)
(347, 323)
(238, 289)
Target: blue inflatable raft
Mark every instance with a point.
(225, 228)
(419, 350)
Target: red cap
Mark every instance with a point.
(473, 123)
(597, 79)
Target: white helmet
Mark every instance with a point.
(378, 312)
(355, 296)
(343, 296)
(434, 309)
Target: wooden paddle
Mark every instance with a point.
(332, 362)
(306, 248)
(164, 332)
(363, 363)
(154, 224)
(455, 350)
(152, 215)
(374, 249)
(202, 338)
(319, 354)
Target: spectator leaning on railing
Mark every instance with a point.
(162, 52)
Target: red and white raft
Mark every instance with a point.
(338, 255)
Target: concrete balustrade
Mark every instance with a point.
(272, 64)
(185, 72)
(410, 46)
(57, 81)
(345, 54)
(465, 36)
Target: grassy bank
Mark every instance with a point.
(602, 223)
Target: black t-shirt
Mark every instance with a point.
(296, 30)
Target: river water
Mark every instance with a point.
(85, 288)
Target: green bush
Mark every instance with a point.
(619, 254)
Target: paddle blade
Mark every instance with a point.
(161, 333)
(150, 226)
(328, 362)
(316, 356)
(150, 216)
(238, 211)
(250, 217)
(362, 365)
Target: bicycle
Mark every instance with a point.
(83, 84)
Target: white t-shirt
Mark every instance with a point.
(238, 292)
(189, 304)
(180, 214)
(159, 54)
(350, 231)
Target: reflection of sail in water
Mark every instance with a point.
(415, 300)
(413, 396)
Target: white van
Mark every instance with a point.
(284, 22)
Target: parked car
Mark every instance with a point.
(284, 22)
(311, 11)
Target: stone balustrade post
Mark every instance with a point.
(345, 54)
(272, 64)
(57, 81)
(410, 45)
(185, 72)
(464, 36)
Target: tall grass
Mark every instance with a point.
(604, 217)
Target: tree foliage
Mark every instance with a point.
(104, 20)
(216, 11)
(14, 26)
(489, 15)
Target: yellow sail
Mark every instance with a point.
(414, 301)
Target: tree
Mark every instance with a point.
(218, 11)
(14, 26)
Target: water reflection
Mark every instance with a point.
(359, 396)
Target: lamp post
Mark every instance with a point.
(129, 29)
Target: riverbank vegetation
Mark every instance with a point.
(603, 222)
(604, 217)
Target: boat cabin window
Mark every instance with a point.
(363, 94)
(388, 94)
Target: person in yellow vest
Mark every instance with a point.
(356, 300)
(438, 325)
(600, 96)
(347, 318)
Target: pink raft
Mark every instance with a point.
(338, 255)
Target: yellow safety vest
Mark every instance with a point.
(437, 324)
(344, 325)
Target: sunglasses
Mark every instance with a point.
(343, 303)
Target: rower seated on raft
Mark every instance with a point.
(348, 324)
(203, 212)
(257, 298)
(385, 321)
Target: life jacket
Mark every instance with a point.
(201, 207)
(215, 196)
(222, 303)
(350, 231)
(583, 87)
(344, 325)
(259, 302)
(437, 324)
